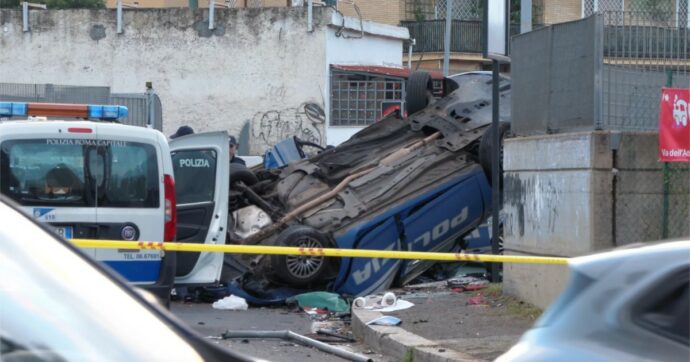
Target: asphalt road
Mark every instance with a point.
(212, 323)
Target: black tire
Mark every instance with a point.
(486, 146)
(240, 172)
(296, 270)
(418, 92)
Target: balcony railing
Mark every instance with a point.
(466, 35)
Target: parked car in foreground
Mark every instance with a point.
(58, 304)
(630, 304)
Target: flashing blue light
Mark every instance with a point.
(13, 109)
(107, 112)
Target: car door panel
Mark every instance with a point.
(201, 167)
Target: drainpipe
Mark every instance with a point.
(310, 16)
(409, 52)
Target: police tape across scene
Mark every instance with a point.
(328, 252)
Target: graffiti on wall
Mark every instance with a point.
(307, 122)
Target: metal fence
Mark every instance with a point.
(642, 52)
(143, 108)
(466, 35)
(607, 77)
(652, 204)
(553, 78)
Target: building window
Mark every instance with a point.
(462, 9)
(419, 10)
(360, 100)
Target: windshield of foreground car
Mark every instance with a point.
(55, 305)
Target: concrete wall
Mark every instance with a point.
(259, 75)
(580, 197)
(256, 60)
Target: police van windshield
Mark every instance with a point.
(71, 172)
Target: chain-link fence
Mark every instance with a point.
(642, 52)
(606, 70)
(652, 204)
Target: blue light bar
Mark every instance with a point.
(13, 109)
(107, 112)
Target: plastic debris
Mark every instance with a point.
(359, 302)
(385, 321)
(322, 300)
(476, 300)
(399, 305)
(388, 300)
(231, 303)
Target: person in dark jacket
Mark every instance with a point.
(182, 131)
(233, 151)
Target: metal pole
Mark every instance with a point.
(299, 338)
(211, 13)
(119, 16)
(25, 16)
(310, 16)
(150, 106)
(409, 53)
(667, 176)
(525, 16)
(446, 45)
(495, 169)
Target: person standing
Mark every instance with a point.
(182, 131)
(233, 151)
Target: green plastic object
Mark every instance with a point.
(322, 300)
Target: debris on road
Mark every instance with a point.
(231, 303)
(290, 335)
(385, 321)
(388, 303)
(322, 300)
(477, 300)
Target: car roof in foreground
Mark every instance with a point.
(57, 300)
(654, 253)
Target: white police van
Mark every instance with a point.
(97, 179)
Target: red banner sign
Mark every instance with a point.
(674, 125)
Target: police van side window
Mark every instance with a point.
(133, 176)
(195, 175)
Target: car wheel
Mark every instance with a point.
(417, 92)
(486, 146)
(239, 172)
(298, 270)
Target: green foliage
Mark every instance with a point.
(75, 4)
(58, 4)
(419, 14)
(409, 355)
(9, 3)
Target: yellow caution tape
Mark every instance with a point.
(286, 250)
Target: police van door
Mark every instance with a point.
(201, 164)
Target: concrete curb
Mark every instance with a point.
(399, 343)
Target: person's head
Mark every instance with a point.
(182, 131)
(233, 145)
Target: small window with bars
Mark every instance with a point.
(360, 99)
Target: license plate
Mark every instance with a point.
(64, 231)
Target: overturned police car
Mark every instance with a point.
(416, 183)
